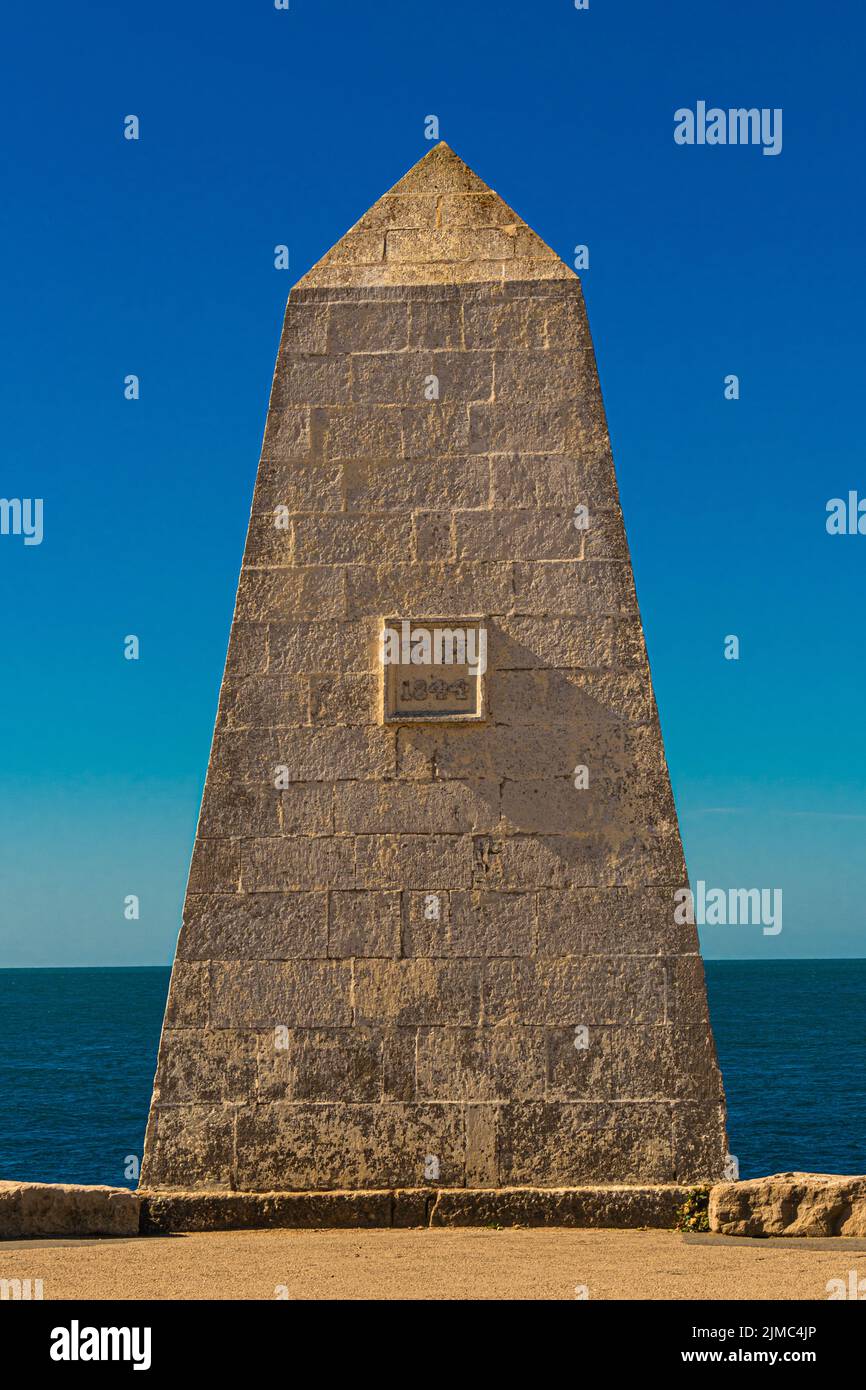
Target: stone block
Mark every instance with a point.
(616, 921)
(215, 866)
(439, 428)
(366, 923)
(297, 487)
(432, 536)
(288, 435)
(481, 1064)
(274, 595)
(429, 589)
(387, 485)
(286, 1146)
(294, 993)
(206, 1067)
(323, 646)
(43, 1209)
(188, 995)
(319, 1065)
(566, 643)
(299, 864)
(196, 1141)
(698, 1138)
(344, 700)
(538, 428)
(383, 808)
(302, 755)
(519, 535)
(305, 379)
(791, 1204)
(563, 1144)
(473, 922)
(263, 702)
(351, 539)
(248, 649)
(551, 482)
(405, 377)
(413, 861)
(368, 326)
(568, 992)
(436, 325)
(234, 811)
(361, 432)
(305, 328)
(412, 993)
(254, 926)
(573, 587)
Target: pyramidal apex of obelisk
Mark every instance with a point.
(439, 225)
(431, 965)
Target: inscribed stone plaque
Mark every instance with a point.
(433, 669)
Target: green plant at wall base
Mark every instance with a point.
(693, 1215)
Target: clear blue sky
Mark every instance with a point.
(260, 127)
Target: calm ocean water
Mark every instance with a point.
(79, 1048)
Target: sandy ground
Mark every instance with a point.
(426, 1264)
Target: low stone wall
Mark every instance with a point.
(790, 1204)
(65, 1209)
(625, 1207)
(786, 1204)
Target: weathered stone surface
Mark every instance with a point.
(790, 1204)
(697, 1135)
(622, 1207)
(470, 923)
(417, 992)
(320, 1064)
(429, 587)
(562, 1143)
(30, 1209)
(267, 594)
(338, 647)
(254, 926)
(264, 702)
(387, 486)
(413, 861)
(189, 992)
(428, 971)
(167, 1212)
(282, 1145)
(343, 701)
(299, 863)
(586, 643)
(446, 807)
(264, 994)
(364, 924)
(481, 1064)
(248, 649)
(206, 1067)
(626, 922)
(306, 755)
(195, 1143)
(615, 1207)
(575, 588)
(594, 990)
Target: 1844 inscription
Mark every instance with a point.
(433, 669)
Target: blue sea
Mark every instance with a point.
(79, 1050)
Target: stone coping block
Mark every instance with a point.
(790, 1204)
(603, 1206)
(67, 1209)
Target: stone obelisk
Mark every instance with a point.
(429, 939)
